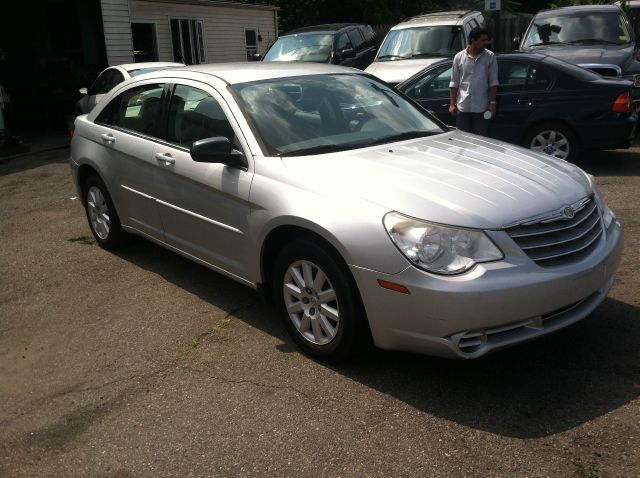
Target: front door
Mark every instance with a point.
(432, 93)
(204, 207)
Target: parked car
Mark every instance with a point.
(358, 212)
(113, 76)
(598, 37)
(347, 44)
(421, 41)
(544, 104)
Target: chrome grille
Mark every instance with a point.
(560, 241)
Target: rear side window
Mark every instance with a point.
(195, 114)
(515, 76)
(356, 38)
(136, 109)
(107, 80)
(343, 42)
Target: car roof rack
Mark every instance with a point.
(442, 13)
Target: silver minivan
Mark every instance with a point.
(359, 214)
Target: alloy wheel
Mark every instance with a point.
(311, 302)
(98, 212)
(551, 142)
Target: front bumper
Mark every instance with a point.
(495, 305)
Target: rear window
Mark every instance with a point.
(573, 70)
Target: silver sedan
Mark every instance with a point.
(359, 214)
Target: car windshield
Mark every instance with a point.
(314, 48)
(573, 70)
(431, 41)
(579, 29)
(326, 113)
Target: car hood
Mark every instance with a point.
(578, 54)
(453, 178)
(395, 71)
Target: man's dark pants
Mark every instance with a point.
(472, 123)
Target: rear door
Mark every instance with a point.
(204, 207)
(522, 90)
(125, 135)
(432, 92)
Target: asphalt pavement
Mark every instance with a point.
(142, 363)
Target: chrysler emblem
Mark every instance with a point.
(569, 212)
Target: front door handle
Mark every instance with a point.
(108, 138)
(165, 157)
(529, 101)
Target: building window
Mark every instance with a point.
(251, 42)
(187, 38)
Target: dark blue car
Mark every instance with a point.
(544, 104)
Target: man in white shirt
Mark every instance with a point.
(474, 85)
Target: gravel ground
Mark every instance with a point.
(142, 363)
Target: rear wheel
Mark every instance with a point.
(318, 302)
(553, 139)
(101, 214)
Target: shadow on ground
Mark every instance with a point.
(535, 390)
(620, 162)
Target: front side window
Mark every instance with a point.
(434, 84)
(136, 109)
(580, 29)
(325, 113)
(187, 39)
(193, 115)
(312, 47)
(422, 42)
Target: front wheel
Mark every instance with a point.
(318, 301)
(556, 140)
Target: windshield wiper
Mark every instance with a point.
(595, 40)
(401, 137)
(321, 149)
(429, 55)
(544, 43)
(393, 56)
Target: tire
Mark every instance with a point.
(101, 214)
(554, 139)
(326, 318)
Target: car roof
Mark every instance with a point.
(450, 17)
(326, 28)
(148, 64)
(578, 9)
(242, 72)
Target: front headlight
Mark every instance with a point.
(440, 249)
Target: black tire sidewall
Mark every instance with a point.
(572, 138)
(351, 333)
(116, 234)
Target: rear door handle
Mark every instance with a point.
(108, 138)
(165, 157)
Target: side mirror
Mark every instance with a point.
(217, 150)
(347, 53)
(515, 43)
(256, 57)
(83, 91)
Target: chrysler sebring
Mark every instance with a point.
(359, 214)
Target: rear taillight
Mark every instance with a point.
(622, 104)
